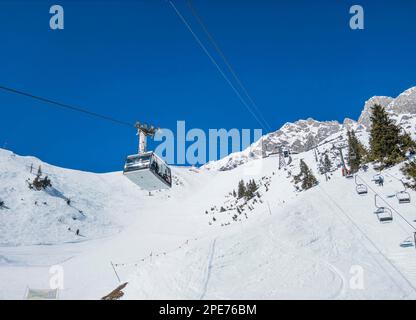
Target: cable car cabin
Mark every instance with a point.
(403, 197)
(148, 171)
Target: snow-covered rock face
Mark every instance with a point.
(303, 135)
(364, 118)
(299, 136)
(405, 103)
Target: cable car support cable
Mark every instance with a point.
(66, 106)
(211, 58)
(227, 63)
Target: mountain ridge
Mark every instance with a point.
(304, 134)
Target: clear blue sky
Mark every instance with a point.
(135, 60)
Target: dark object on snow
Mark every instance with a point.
(378, 179)
(116, 294)
(381, 181)
(77, 233)
(40, 183)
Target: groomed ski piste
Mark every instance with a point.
(177, 244)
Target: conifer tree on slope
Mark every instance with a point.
(409, 170)
(241, 190)
(356, 152)
(251, 188)
(387, 145)
(327, 163)
(306, 176)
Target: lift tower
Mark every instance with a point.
(282, 161)
(144, 131)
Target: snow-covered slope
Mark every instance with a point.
(178, 244)
(92, 203)
(198, 241)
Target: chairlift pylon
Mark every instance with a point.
(384, 214)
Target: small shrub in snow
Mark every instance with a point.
(40, 183)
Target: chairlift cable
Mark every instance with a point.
(364, 234)
(388, 204)
(181, 17)
(65, 106)
(404, 185)
(226, 61)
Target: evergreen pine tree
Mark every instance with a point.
(39, 174)
(356, 152)
(387, 145)
(251, 189)
(327, 164)
(410, 171)
(407, 144)
(241, 191)
(306, 176)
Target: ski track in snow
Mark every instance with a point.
(374, 246)
(209, 268)
(340, 292)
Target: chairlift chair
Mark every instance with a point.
(360, 187)
(384, 214)
(408, 242)
(403, 196)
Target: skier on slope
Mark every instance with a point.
(381, 181)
